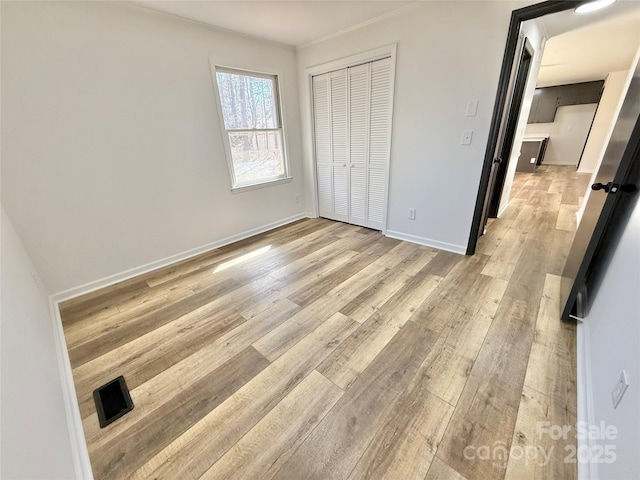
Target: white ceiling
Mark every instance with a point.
(580, 47)
(588, 47)
(293, 22)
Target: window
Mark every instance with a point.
(250, 110)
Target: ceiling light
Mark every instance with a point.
(589, 7)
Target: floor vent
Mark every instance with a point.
(112, 401)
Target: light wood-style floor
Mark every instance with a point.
(325, 351)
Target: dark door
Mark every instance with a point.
(612, 181)
(505, 145)
(529, 152)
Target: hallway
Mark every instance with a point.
(528, 246)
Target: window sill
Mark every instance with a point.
(254, 186)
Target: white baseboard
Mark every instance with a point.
(449, 247)
(579, 214)
(586, 416)
(79, 451)
(82, 463)
(134, 272)
(502, 210)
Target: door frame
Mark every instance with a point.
(386, 51)
(511, 125)
(517, 18)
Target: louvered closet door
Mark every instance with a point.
(358, 143)
(352, 109)
(339, 139)
(379, 142)
(322, 119)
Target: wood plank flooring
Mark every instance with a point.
(322, 350)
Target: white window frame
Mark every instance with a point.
(286, 176)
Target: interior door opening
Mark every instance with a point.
(501, 161)
(591, 239)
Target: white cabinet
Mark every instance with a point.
(352, 120)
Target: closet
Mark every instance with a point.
(352, 125)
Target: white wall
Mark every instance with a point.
(112, 153)
(33, 425)
(567, 134)
(624, 88)
(447, 55)
(531, 30)
(614, 332)
(615, 87)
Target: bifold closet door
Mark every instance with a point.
(352, 119)
(379, 142)
(322, 131)
(330, 117)
(339, 152)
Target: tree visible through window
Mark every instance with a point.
(251, 113)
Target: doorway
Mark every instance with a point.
(485, 204)
(500, 163)
(352, 119)
(497, 129)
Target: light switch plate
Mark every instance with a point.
(472, 108)
(619, 389)
(466, 137)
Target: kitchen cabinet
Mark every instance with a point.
(547, 100)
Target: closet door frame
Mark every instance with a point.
(387, 51)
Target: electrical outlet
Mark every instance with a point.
(466, 137)
(533, 160)
(619, 389)
(297, 198)
(412, 214)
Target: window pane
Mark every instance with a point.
(256, 156)
(247, 102)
